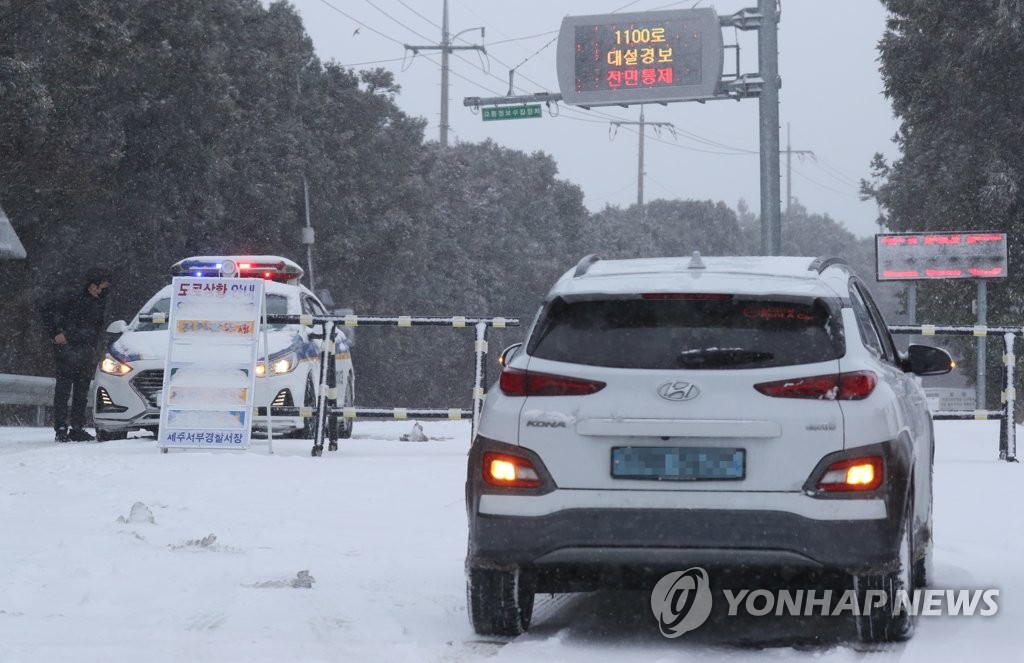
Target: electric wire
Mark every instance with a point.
(395, 20)
(402, 2)
(823, 186)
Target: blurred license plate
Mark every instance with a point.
(678, 463)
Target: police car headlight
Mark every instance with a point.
(278, 365)
(112, 366)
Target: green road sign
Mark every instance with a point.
(511, 112)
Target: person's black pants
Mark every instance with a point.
(74, 371)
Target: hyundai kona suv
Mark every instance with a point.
(129, 379)
(738, 412)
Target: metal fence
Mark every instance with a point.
(327, 409)
(35, 391)
(1008, 396)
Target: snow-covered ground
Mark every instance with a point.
(358, 556)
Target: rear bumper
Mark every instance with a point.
(559, 531)
(680, 537)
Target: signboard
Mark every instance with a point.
(640, 57)
(510, 112)
(210, 372)
(945, 255)
(949, 399)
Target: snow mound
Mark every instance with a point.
(415, 435)
(302, 580)
(140, 513)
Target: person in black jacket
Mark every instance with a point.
(74, 321)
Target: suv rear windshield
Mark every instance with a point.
(716, 332)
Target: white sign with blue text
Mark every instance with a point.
(210, 372)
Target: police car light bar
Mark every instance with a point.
(271, 268)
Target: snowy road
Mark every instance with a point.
(358, 556)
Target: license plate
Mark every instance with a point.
(679, 463)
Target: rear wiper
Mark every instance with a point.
(720, 357)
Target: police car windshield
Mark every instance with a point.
(276, 305)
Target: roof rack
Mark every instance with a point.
(824, 262)
(584, 264)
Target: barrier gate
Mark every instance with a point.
(1006, 416)
(327, 409)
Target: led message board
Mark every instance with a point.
(640, 57)
(947, 255)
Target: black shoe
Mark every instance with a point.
(61, 434)
(80, 435)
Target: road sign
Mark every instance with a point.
(510, 112)
(209, 374)
(640, 57)
(940, 255)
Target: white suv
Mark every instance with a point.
(720, 412)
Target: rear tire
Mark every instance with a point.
(346, 424)
(882, 623)
(500, 602)
(308, 430)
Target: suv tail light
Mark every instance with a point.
(691, 296)
(516, 382)
(853, 474)
(853, 386)
(509, 471)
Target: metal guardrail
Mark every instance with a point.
(27, 390)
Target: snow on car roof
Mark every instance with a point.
(740, 274)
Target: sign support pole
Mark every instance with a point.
(768, 59)
(982, 322)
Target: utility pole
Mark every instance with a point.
(446, 49)
(642, 124)
(768, 61)
(789, 152)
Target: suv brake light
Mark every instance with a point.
(517, 382)
(699, 296)
(852, 474)
(510, 471)
(853, 386)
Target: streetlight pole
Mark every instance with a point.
(308, 236)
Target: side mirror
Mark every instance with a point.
(926, 360)
(117, 327)
(506, 355)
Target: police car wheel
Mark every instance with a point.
(308, 430)
(347, 423)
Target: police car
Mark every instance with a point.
(129, 379)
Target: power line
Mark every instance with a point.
(401, 2)
(359, 64)
(573, 113)
(824, 186)
(395, 20)
(834, 173)
(360, 23)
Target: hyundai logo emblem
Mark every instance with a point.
(678, 390)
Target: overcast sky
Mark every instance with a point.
(831, 97)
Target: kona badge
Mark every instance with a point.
(678, 390)
(545, 424)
